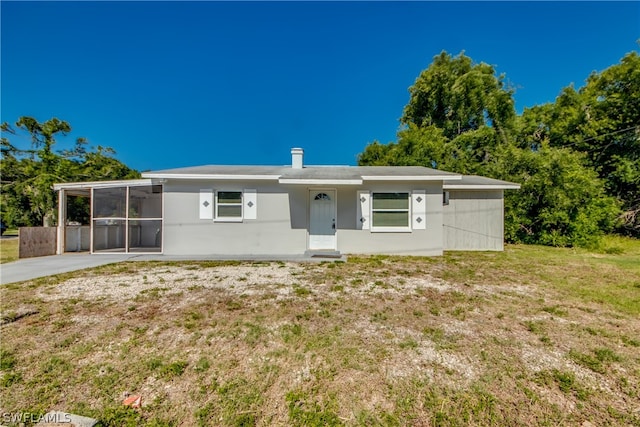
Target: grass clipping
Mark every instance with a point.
(465, 339)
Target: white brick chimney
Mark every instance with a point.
(297, 155)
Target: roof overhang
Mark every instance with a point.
(329, 181)
(410, 177)
(481, 186)
(103, 184)
(216, 177)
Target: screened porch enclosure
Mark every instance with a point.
(127, 219)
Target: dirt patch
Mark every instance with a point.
(281, 343)
(241, 280)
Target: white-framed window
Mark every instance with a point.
(228, 206)
(390, 211)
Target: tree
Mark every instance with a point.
(39, 176)
(561, 201)
(470, 106)
(461, 118)
(602, 120)
(458, 96)
(28, 175)
(416, 146)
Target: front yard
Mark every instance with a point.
(532, 336)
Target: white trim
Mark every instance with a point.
(206, 195)
(481, 186)
(91, 206)
(410, 177)
(391, 229)
(329, 181)
(363, 210)
(138, 219)
(335, 215)
(103, 184)
(228, 219)
(304, 181)
(403, 229)
(250, 196)
(162, 226)
(419, 210)
(62, 222)
(217, 218)
(126, 221)
(225, 177)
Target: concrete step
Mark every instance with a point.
(323, 254)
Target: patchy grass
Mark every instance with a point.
(530, 336)
(8, 250)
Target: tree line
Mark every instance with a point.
(577, 159)
(28, 175)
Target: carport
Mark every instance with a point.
(125, 217)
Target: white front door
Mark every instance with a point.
(322, 219)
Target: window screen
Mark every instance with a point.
(229, 204)
(109, 202)
(145, 202)
(390, 210)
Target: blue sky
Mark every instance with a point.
(170, 84)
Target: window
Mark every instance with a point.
(390, 212)
(229, 205)
(445, 198)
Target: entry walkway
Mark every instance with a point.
(33, 268)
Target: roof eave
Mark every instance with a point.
(411, 177)
(101, 184)
(481, 187)
(216, 177)
(329, 181)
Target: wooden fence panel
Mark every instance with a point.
(37, 241)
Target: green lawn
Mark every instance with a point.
(8, 250)
(530, 336)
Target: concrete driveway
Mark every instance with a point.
(32, 268)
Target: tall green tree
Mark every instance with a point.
(416, 146)
(602, 120)
(43, 167)
(561, 201)
(461, 117)
(28, 174)
(457, 95)
(470, 106)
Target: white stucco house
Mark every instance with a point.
(289, 210)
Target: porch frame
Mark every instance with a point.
(86, 189)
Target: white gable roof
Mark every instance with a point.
(350, 175)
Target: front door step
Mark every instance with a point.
(323, 254)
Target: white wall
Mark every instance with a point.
(277, 229)
(282, 222)
(417, 242)
(474, 220)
